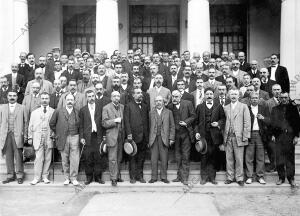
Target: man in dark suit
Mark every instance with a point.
(17, 82)
(255, 152)
(262, 94)
(162, 69)
(100, 97)
(244, 66)
(266, 83)
(137, 84)
(184, 116)
(190, 83)
(170, 78)
(162, 136)
(136, 121)
(270, 145)
(32, 66)
(210, 120)
(222, 97)
(285, 121)
(127, 65)
(71, 73)
(91, 135)
(253, 72)
(149, 82)
(184, 94)
(3, 90)
(54, 97)
(279, 73)
(23, 66)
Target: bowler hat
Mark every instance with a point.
(103, 147)
(201, 146)
(130, 147)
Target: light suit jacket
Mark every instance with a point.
(20, 125)
(113, 129)
(45, 87)
(35, 127)
(164, 92)
(241, 123)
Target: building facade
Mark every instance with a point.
(257, 27)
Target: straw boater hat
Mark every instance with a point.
(201, 146)
(130, 147)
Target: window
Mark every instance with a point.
(154, 28)
(228, 28)
(79, 28)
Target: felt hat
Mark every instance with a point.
(130, 147)
(201, 146)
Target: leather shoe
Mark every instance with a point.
(89, 179)
(214, 182)
(132, 181)
(152, 181)
(241, 183)
(203, 182)
(8, 180)
(293, 184)
(20, 181)
(227, 181)
(120, 180)
(142, 180)
(185, 182)
(165, 181)
(176, 180)
(114, 183)
(280, 182)
(100, 181)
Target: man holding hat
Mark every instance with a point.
(91, 133)
(113, 122)
(136, 121)
(162, 135)
(209, 123)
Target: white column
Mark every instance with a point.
(290, 44)
(21, 25)
(198, 33)
(107, 26)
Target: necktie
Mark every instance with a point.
(45, 109)
(222, 101)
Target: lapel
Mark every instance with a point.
(237, 109)
(5, 112)
(65, 112)
(163, 114)
(214, 109)
(16, 111)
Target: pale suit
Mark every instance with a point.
(39, 131)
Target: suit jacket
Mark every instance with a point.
(268, 87)
(164, 92)
(81, 86)
(80, 101)
(271, 103)
(187, 113)
(281, 77)
(54, 100)
(252, 75)
(217, 100)
(24, 70)
(30, 104)
(168, 82)
(263, 124)
(285, 118)
(146, 99)
(85, 126)
(136, 121)
(103, 101)
(19, 80)
(35, 127)
(191, 86)
(214, 86)
(75, 75)
(127, 67)
(162, 69)
(113, 129)
(167, 128)
(245, 66)
(239, 77)
(217, 115)
(30, 73)
(241, 123)
(45, 87)
(3, 96)
(188, 97)
(146, 83)
(59, 125)
(20, 125)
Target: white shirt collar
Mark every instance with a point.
(158, 89)
(69, 110)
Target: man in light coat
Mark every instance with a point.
(39, 135)
(13, 133)
(236, 134)
(113, 122)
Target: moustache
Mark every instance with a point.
(69, 103)
(209, 98)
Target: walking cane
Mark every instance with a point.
(54, 142)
